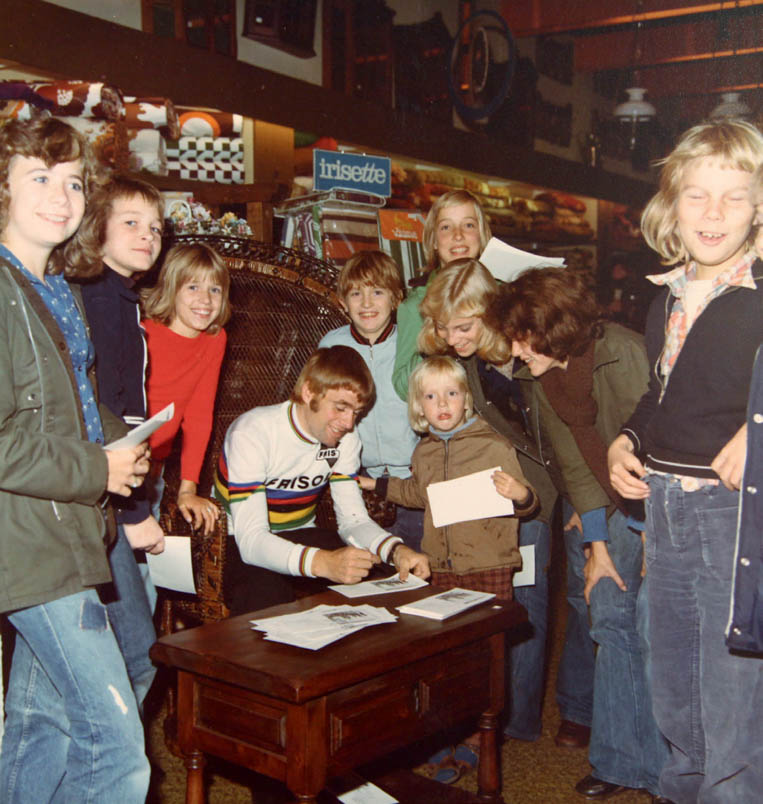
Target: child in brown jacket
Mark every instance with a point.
(479, 554)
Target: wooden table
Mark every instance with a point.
(305, 716)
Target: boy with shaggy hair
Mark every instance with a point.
(370, 288)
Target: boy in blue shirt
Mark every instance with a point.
(370, 289)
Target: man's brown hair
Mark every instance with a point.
(332, 369)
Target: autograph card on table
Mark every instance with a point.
(381, 586)
(321, 625)
(140, 433)
(466, 498)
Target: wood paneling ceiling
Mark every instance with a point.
(685, 52)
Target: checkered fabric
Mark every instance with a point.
(217, 159)
(495, 580)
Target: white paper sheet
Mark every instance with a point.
(367, 793)
(321, 625)
(140, 433)
(446, 604)
(466, 498)
(526, 576)
(506, 263)
(173, 569)
(381, 586)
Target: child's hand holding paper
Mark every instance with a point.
(466, 498)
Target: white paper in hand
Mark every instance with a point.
(173, 569)
(526, 576)
(141, 433)
(466, 498)
(506, 263)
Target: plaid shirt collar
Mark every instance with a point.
(679, 323)
(738, 274)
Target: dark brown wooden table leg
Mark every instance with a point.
(307, 739)
(489, 776)
(194, 781)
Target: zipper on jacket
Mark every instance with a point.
(656, 367)
(535, 426)
(376, 425)
(447, 527)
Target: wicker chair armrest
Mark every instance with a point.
(382, 511)
(208, 554)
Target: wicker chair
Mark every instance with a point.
(283, 303)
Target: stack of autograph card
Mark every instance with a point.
(321, 625)
(446, 604)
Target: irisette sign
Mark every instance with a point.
(369, 174)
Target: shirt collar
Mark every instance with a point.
(740, 273)
(388, 330)
(16, 263)
(125, 284)
(298, 430)
(444, 435)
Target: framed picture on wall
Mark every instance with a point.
(284, 24)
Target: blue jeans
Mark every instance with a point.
(706, 697)
(525, 661)
(130, 616)
(409, 526)
(626, 747)
(73, 732)
(574, 683)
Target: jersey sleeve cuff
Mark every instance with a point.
(301, 561)
(386, 545)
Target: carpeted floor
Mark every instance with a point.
(533, 773)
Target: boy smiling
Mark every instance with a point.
(370, 289)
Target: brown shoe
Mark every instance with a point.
(591, 787)
(572, 735)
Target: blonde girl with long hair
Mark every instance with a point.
(456, 228)
(184, 318)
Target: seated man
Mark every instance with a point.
(275, 464)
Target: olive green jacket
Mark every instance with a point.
(52, 479)
(620, 378)
(536, 457)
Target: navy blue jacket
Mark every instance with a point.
(705, 401)
(745, 630)
(113, 314)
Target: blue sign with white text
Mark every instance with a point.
(369, 174)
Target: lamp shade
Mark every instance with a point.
(730, 106)
(635, 109)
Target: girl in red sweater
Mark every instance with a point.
(185, 314)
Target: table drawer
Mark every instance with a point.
(228, 715)
(371, 712)
(430, 695)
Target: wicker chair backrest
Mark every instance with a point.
(283, 303)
